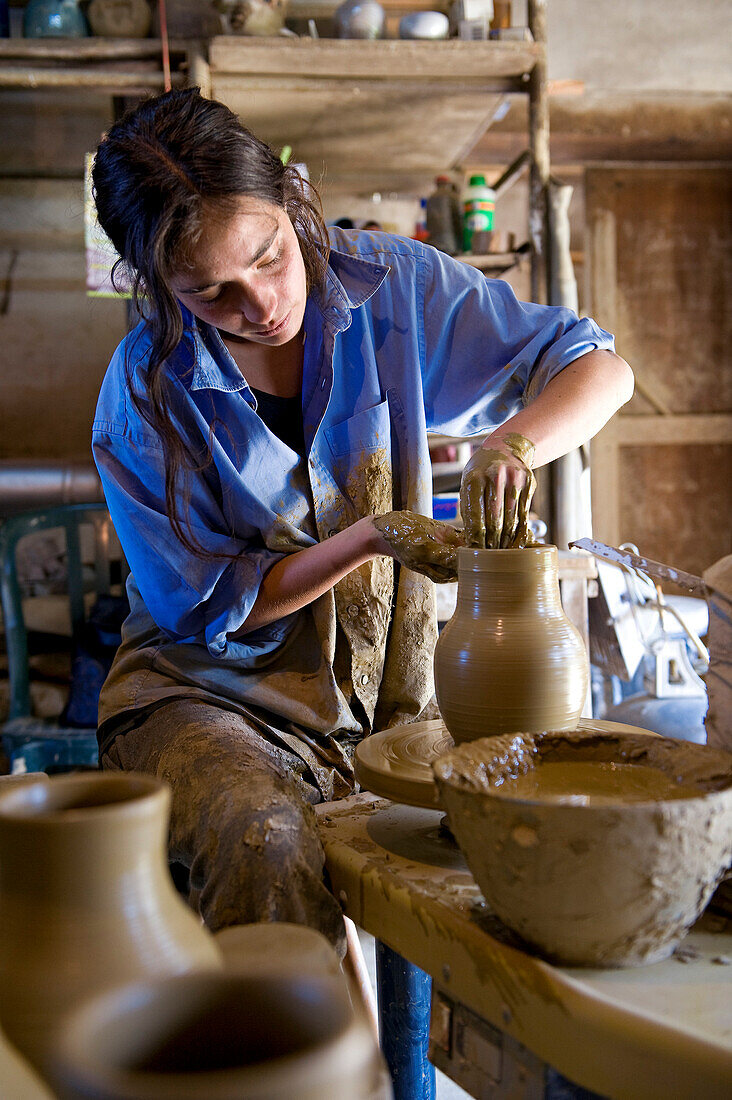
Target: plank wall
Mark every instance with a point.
(660, 277)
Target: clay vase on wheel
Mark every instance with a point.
(509, 660)
(86, 899)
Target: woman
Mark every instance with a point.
(261, 439)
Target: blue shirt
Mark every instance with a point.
(402, 340)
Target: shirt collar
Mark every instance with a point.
(354, 278)
(213, 369)
(349, 282)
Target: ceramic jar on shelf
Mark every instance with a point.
(119, 18)
(509, 660)
(54, 19)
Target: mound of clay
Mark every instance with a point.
(598, 850)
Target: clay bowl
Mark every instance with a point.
(245, 1036)
(611, 883)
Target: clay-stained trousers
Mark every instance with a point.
(242, 819)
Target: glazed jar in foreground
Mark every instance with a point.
(509, 660)
(86, 898)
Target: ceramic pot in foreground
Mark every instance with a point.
(509, 660)
(86, 898)
(226, 1036)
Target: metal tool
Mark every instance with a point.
(647, 565)
(674, 700)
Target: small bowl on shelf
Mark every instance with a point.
(596, 849)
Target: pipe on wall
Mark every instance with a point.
(27, 484)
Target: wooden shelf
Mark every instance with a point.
(494, 263)
(367, 116)
(496, 64)
(111, 66)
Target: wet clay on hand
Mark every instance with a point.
(427, 546)
(495, 495)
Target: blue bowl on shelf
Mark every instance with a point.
(54, 19)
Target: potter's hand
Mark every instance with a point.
(496, 491)
(425, 545)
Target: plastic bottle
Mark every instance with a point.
(479, 201)
(444, 217)
(420, 228)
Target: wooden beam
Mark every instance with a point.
(91, 80)
(605, 485)
(459, 62)
(640, 431)
(199, 70)
(539, 153)
(84, 49)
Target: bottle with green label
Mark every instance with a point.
(479, 203)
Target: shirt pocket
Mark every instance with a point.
(365, 431)
(362, 461)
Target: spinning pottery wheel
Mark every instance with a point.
(397, 763)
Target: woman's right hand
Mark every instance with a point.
(428, 546)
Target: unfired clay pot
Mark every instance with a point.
(610, 884)
(240, 1036)
(509, 660)
(86, 899)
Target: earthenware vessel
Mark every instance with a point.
(607, 861)
(18, 1079)
(509, 660)
(359, 19)
(119, 18)
(54, 19)
(424, 24)
(230, 1036)
(86, 898)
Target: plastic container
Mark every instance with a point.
(479, 202)
(420, 227)
(444, 217)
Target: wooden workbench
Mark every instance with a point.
(655, 1031)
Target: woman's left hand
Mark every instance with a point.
(427, 546)
(496, 491)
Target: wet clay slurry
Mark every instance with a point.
(609, 883)
(494, 517)
(509, 660)
(521, 447)
(595, 783)
(396, 763)
(426, 545)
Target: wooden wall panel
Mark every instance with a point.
(659, 252)
(676, 503)
(674, 266)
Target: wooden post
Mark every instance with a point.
(199, 70)
(539, 151)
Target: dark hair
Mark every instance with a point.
(154, 172)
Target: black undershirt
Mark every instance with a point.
(283, 417)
